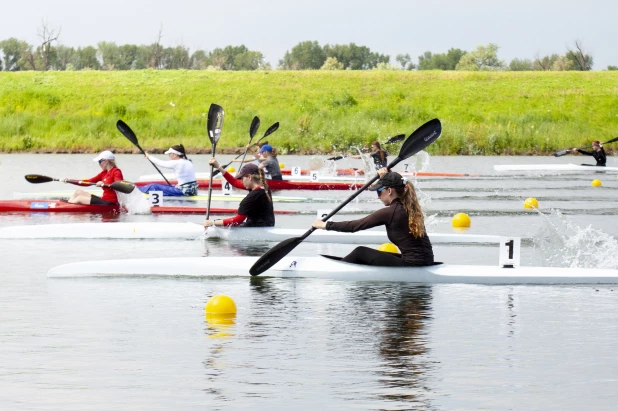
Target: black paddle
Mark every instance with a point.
(566, 151)
(213, 126)
(130, 135)
(268, 132)
(125, 187)
(421, 138)
(396, 139)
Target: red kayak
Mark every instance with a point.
(55, 206)
(279, 184)
(202, 210)
(360, 172)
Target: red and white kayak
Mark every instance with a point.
(360, 172)
(280, 184)
(51, 206)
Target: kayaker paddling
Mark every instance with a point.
(378, 155)
(183, 169)
(256, 209)
(404, 223)
(269, 162)
(110, 174)
(598, 152)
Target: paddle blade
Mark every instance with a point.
(127, 132)
(125, 187)
(255, 125)
(396, 139)
(611, 141)
(334, 158)
(274, 255)
(421, 138)
(215, 122)
(38, 179)
(271, 129)
(561, 153)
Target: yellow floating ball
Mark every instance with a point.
(531, 203)
(461, 220)
(220, 304)
(596, 183)
(389, 248)
(281, 165)
(231, 169)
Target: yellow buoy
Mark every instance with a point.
(596, 183)
(389, 248)
(231, 169)
(531, 203)
(220, 304)
(461, 220)
(281, 165)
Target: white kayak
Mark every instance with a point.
(191, 231)
(327, 268)
(553, 167)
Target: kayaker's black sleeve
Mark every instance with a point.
(381, 217)
(584, 152)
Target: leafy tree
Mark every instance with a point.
(612, 68)
(224, 59)
(520, 65)
(440, 61)
(109, 54)
(544, 63)
(175, 58)
(15, 54)
(85, 58)
(331, 63)
(199, 60)
(385, 66)
(406, 61)
(249, 60)
(307, 55)
(562, 63)
(63, 57)
(355, 57)
(483, 58)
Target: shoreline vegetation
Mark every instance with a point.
(483, 113)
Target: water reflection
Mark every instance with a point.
(401, 313)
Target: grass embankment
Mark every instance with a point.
(482, 113)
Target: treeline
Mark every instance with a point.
(19, 55)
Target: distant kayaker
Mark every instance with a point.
(110, 174)
(378, 155)
(405, 226)
(269, 162)
(256, 209)
(598, 152)
(183, 169)
(255, 157)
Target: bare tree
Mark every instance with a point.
(156, 53)
(542, 63)
(578, 56)
(48, 35)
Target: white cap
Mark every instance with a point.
(171, 150)
(105, 155)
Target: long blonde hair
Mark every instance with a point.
(416, 220)
(112, 162)
(260, 178)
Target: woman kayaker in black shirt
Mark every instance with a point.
(378, 155)
(598, 152)
(404, 221)
(256, 209)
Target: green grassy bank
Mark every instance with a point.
(481, 112)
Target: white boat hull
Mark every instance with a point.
(192, 231)
(553, 167)
(325, 268)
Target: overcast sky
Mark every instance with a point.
(521, 28)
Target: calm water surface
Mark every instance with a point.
(143, 343)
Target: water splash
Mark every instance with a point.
(135, 203)
(562, 243)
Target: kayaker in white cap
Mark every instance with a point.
(109, 175)
(183, 169)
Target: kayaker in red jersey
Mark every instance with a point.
(109, 175)
(256, 209)
(404, 223)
